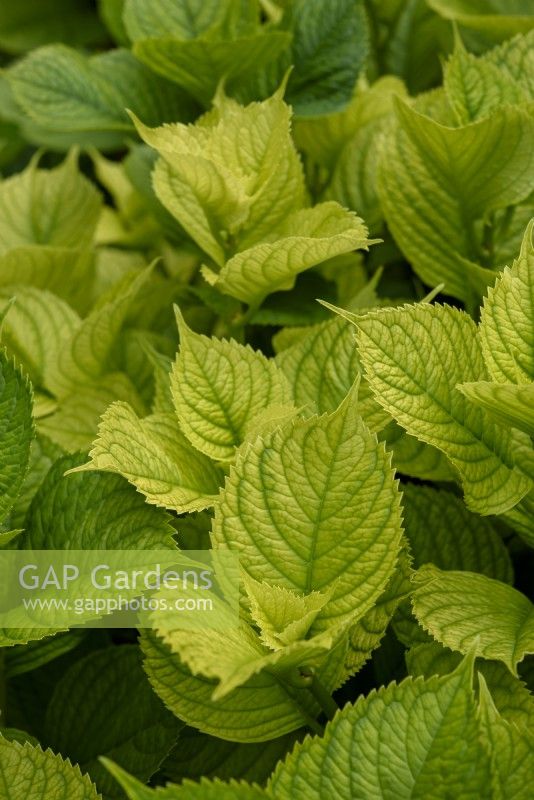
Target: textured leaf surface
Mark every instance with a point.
(218, 388)
(218, 181)
(154, 455)
(56, 207)
(15, 432)
(261, 710)
(416, 739)
(205, 790)
(508, 403)
(91, 715)
(442, 531)
(321, 369)
(507, 322)
(62, 90)
(28, 773)
(315, 506)
(465, 172)
(330, 48)
(465, 610)
(403, 352)
(308, 237)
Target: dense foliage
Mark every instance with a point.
(182, 181)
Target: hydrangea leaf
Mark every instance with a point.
(15, 432)
(215, 179)
(88, 354)
(204, 790)
(29, 772)
(403, 352)
(510, 695)
(197, 64)
(414, 458)
(507, 320)
(185, 20)
(465, 610)
(218, 387)
(460, 540)
(308, 237)
(261, 710)
(401, 741)
(314, 506)
(155, 457)
(508, 403)
(282, 616)
(512, 750)
(515, 58)
(494, 20)
(197, 754)
(477, 86)
(57, 207)
(329, 50)
(91, 714)
(91, 512)
(466, 172)
(72, 424)
(43, 453)
(62, 90)
(321, 368)
(36, 329)
(32, 23)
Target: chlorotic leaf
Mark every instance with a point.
(218, 387)
(34, 774)
(314, 506)
(508, 403)
(401, 741)
(507, 322)
(465, 610)
(154, 455)
(403, 352)
(308, 237)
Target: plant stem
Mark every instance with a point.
(324, 698)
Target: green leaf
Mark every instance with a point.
(15, 432)
(92, 512)
(321, 368)
(32, 656)
(32, 23)
(184, 20)
(308, 237)
(436, 182)
(508, 403)
(495, 20)
(261, 710)
(460, 540)
(111, 14)
(235, 174)
(64, 91)
(507, 320)
(414, 357)
(43, 453)
(56, 207)
(282, 616)
(329, 50)
(90, 714)
(476, 86)
(155, 457)
(467, 611)
(314, 506)
(197, 754)
(511, 697)
(218, 388)
(63, 271)
(512, 751)
(36, 329)
(415, 458)
(205, 790)
(33, 774)
(403, 741)
(198, 64)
